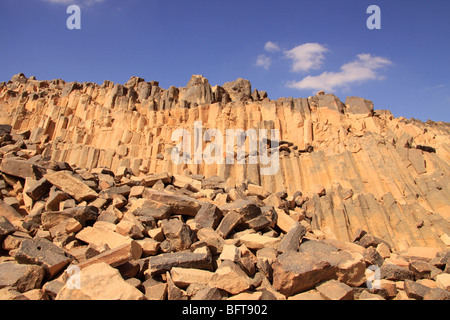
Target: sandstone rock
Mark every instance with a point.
(149, 247)
(415, 290)
(378, 173)
(295, 272)
(212, 239)
(239, 90)
(177, 233)
(9, 213)
(100, 282)
(397, 273)
(256, 241)
(154, 290)
(100, 236)
(369, 296)
(291, 241)
(372, 257)
(37, 189)
(43, 253)
(308, 295)
(50, 219)
(173, 292)
(230, 252)
(115, 257)
(209, 293)
(71, 185)
(21, 276)
(313, 246)
(443, 281)
(9, 293)
(284, 221)
(164, 262)
(20, 168)
(230, 277)
(247, 260)
(421, 253)
(183, 277)
(335, 290)
(246, 208)
(55, 198)
(129, 229)
(421, 269)
(197, 91)
(258, 191)
(209, 216)
(437, 294)
(6, 227)
(179, 204)
(164, 177)
(359, 106)
(154, 209)
(228, 223)
(384, 250)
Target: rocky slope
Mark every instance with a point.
(87, 180)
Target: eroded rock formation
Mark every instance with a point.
(87, 176)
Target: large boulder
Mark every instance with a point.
(23, 277)
(296, 272)
(99, 282)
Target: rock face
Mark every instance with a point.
(87, 180)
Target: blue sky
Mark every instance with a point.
(287, 48)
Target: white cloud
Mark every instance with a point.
(362, 69)
(263, 61)
(306, 57)
(271, 47)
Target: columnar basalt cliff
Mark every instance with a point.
(88, 169)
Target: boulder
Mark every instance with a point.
(44, 253)
(230, 277)
(335, 290)
(21, 276)
(100, 281)
(178, 234)
(76, 188)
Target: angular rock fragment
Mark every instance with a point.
(100, 282)
(154, 209)
(228, 223)
(37, 189)
(183, 277)
(115, 257)
(394, 272)
(100, 236)
(291, 241)
(177, 233)
(179, 204)
(164, 262)
(71, 185)
(257, 241)
(155, 290)
(18, 167)
(335, 290)
(43, 253)
(209, 216)
(21, 276)
(296, 272)
(230, 277)
(6, 227)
